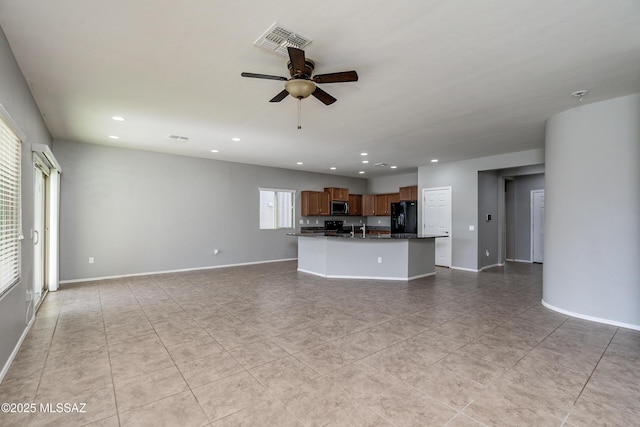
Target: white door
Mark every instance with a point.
(537, 225)
(436, 219)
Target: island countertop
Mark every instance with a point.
(380, 257)
(359, 236)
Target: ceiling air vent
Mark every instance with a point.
(277, 39)
(178, 138)
(380, 164)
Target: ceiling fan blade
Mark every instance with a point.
(279, 97)
(344, 76)
(297, 60)
(263, 76)
(323, 96)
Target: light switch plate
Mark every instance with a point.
(472, 228)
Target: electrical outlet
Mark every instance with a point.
(379, 260)
(216, 251)
(302, 221)
(29, 295)
(487, 252)
(472, 228)
(91, 260)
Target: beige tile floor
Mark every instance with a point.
(266, 346)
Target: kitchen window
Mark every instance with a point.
(276, 208)
(10, 212)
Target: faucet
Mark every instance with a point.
(352, 231)
(364, 230)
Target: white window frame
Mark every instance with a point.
(277, 208)
(11, 202)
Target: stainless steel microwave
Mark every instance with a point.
(339, 208)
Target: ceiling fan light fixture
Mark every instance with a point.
(300, 88)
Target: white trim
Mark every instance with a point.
(491, 266)
(151, 273)
(46, 155)
(520, 260)
(473, 270)
(590, 318)
(4, 115)
(16, 349)
(331, 276)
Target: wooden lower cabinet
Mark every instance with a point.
(314, 203)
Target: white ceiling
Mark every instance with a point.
(450, 79)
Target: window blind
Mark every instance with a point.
(10, 213)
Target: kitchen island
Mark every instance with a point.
(380, 257)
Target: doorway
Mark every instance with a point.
(45, 228)
(40, 229)
(537, 226)
(436, 219)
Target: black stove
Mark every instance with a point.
(333, 226)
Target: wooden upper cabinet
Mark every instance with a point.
(339, 194)
(324, 203)
(382, 204)
(368, 205)
(409, 193)
(314, 203)
(355, 204)
(308, 203)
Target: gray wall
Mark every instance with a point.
(16, 99)
(462, 176)
(141, 212)
(488, 229)
(518, 218)
(391, 183)
(592, 211)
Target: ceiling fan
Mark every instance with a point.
(301, 84)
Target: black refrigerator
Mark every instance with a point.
(404, 218)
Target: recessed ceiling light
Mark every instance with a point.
(214, 151)
(299, 163)
(114, 137)
(235, 139)
(365, 161)
(333, 168)
(434, 160)
(118, 118)
(364, 154)
(394, 167)
(361, 172)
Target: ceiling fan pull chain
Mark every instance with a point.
(299, 113)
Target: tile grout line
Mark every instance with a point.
(594, 368)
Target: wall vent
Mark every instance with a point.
(380, 164)
(277, 39)
(178, 138)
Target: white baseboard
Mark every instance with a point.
(491, 266)
(473, 270)
(590, 318)
(331, 276)
(182, 270)
(520, 260)
(14, 353)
